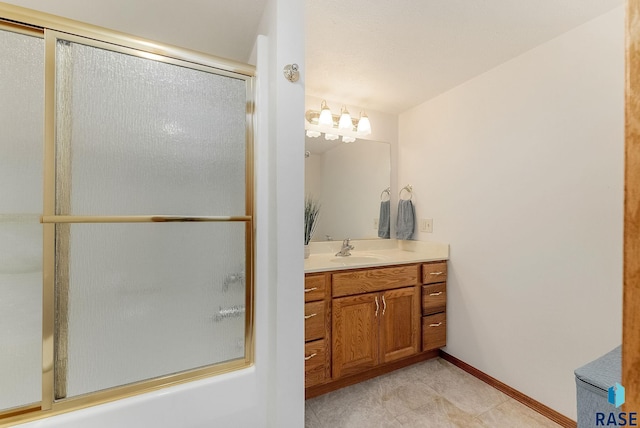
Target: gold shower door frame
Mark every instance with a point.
(56, 227)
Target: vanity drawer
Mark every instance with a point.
(314, 320)
(368, 280)
(314, 287)
(434, 331)
(316, 362)
(434, 298)
(434, 272)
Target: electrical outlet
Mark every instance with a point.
(375, 224)
(426, 225)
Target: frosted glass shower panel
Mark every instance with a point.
(21, 140)
(141, 136)
(21, 122)
(152, 299)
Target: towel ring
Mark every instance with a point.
(387, 192)
(409, 190)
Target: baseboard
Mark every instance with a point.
(545, 411)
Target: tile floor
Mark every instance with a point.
(433, 393)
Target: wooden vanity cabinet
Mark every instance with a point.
(434, 305)
(373, 328)
(362, 322)
(317, 324)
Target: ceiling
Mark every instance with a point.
(379, 54)
(225, 28)
(393, 55)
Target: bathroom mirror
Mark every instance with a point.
(348, 179)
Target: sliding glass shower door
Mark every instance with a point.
(126, 219)
(151, 221)
(21, 138)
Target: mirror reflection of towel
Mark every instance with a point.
(384, 222)
(406, 219)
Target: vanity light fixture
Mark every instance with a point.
(334, 127)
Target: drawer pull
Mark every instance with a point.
(306, 290)
(436, 273)
(310, 356)
(377, 306)
(436, 294)
(309, 316)
(436, 325)
(384, 308)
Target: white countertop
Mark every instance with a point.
(373, 252)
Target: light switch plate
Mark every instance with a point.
(426, 225)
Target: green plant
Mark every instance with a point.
(311, 213)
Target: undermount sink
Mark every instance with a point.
(353, 260)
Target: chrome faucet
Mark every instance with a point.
(345, 251)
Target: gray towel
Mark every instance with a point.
(406, 219)
(384, 222)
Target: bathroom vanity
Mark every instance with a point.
(378, 311)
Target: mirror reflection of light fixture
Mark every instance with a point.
(334, 127)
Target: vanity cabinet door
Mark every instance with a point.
(400, 324)
(355, 333)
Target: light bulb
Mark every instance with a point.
(313, 134)
(345, 119)
(346, 139)
(331, 137)
(364, 126)
(326, 118)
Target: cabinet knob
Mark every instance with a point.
(306, 290)
(436, 325)
(309, 316)
(310, 356)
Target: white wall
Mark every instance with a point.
(313, 174)
(283, 251)
(521, 170)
